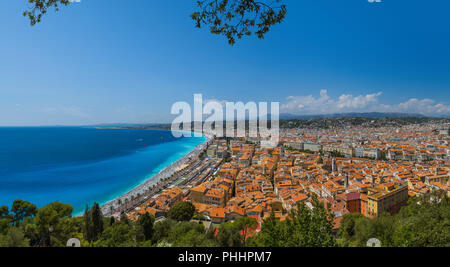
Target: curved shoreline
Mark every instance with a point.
(153, 180)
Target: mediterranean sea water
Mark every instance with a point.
(80, 166)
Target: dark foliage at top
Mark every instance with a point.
(232, 18)
(39, 8)
(238, 18)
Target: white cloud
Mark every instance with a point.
(324, 104)
(350, 102)
(308, 103)
(425, 106)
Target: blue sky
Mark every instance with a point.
(108, 61)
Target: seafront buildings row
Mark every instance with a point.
(350, 170)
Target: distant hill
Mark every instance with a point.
(287, 117)
(374, 115)
(126, 125)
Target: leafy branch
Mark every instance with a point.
(238, 18)
(232, 18)
(39, 8)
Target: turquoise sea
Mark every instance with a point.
(80, 166)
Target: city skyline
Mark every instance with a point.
(90, 63)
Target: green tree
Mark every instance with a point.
(271, 234)
(32, 233)
(310, 228)
(96, 217)
(120, 234)
(183, 211)
(124, 219)
(356, 230)
(4, 226)
(188, 234)
(87, 228)
(4, 212)
(14, 238)
(68, 227)
(162, 230)
(181, 234)
(146, 221)
(245, 226)
(425, 221)
(111, 220)
(302, 228)
(22, 209)
(347, 229)
(50, 221)
(117, 235)
(228, 235)
(194, 238)
(383, 229)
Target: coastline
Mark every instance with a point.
(153, 180)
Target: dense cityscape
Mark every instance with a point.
(373, 170)
(346, 174)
